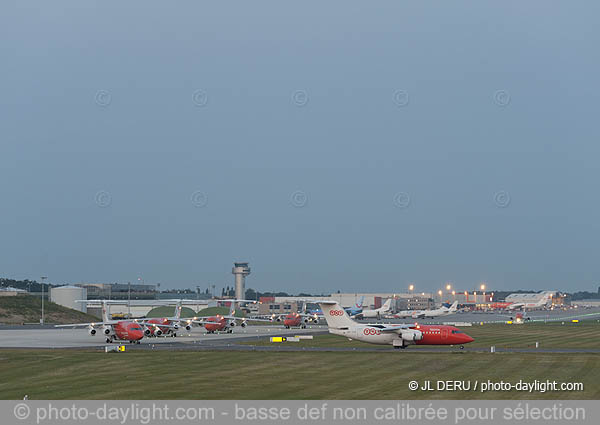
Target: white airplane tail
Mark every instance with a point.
(454, 306)
(386, 306)
(335, 315)
(360, 303)
(232, 308)
(178, 310)
(105, 312)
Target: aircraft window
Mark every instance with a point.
(377, 326)
(457, 332)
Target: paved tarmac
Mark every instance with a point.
(24, 337)
(197, 339)
(503, 316)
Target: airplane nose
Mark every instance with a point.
(468, 339)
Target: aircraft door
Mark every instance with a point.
(444, 333)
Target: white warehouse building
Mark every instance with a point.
(68, 296)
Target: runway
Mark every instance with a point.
(24, 337)
(50, 337)
(240, 340)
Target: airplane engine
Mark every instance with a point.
(158, 332)
(232, 324)
(106, 330)
(92, 331)
(278, 319)
(175, 326)
(188, 328)
(412, 335)
(243, 325)
(305, 320)
(147, 331)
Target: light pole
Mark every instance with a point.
(129, 300)
(43, 278)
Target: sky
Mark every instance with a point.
(341, 145)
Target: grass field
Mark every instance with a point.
(27, 309)
(71, 374)
(141, 374)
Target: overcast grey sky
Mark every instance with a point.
(346, 145)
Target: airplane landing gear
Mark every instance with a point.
(462, 347)
(108, 340)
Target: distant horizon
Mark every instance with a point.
(399, 291)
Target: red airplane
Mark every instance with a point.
(220, 323)
(124, 330)
(500, 305)
(292, 320)
(167, 325)
(300, 320)
(399, 336)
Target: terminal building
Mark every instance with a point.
(401, 301)
(119, 291)
(11, 292)
(70, 297)
(268, 306)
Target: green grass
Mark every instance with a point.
(27, 309)
(550, 335)
(169, 311)
(213, 311)
(78, 374)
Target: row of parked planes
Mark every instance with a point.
(340, 321)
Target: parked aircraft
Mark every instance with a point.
(422, 314)
(219, 322)
(296, 319)
(124, 330)
(167, 325)
(356, 308)
(376, 313)
(397, 335)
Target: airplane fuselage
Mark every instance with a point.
(417, 335)
(128, 331)
(217, 324)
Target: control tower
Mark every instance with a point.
(240, 270)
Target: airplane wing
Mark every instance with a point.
(246, 319)
(78, 325)
(201, 322)
(394, 328)
(159, 325)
